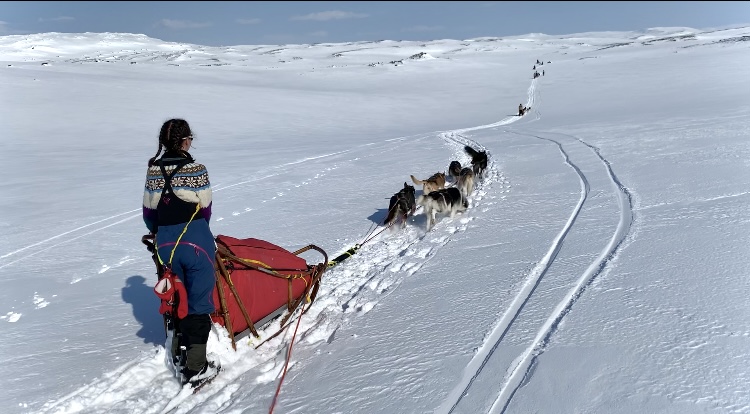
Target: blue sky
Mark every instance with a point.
(234, 23)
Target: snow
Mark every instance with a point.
(601, 266)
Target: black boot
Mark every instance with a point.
(196, 378)
(188, 374)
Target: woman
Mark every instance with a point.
(177, 209)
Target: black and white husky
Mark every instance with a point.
(401, 205)
(454, 169)
(478, 161)
(446, 200)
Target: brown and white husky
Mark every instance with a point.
(435, 182)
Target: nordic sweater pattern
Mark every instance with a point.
(190, 184)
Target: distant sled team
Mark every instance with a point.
(435, 197)
(522, 110)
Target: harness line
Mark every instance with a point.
(171, 255)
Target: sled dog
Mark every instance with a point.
(446, 200)
(465, 181)
(478, 161)
(401, 205)
(435, 182)
(454, 169)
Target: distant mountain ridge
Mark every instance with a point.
(92, 46)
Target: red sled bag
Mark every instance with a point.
(262, 278)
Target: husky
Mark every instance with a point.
(465, 181)
(454, 170)
(446, 200)
(401, 205)
(435, 182)
(478, 161)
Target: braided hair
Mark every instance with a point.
(170, 137)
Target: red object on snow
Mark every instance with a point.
(173, 295)
(282, 279)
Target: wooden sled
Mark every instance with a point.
(257, 282)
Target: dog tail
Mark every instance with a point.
(414, 179)
(469, 150)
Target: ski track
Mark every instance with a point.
(523, 369)
(518, 374)
(485, 351)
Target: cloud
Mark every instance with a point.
(422, 29)
(248, 21)
(182, 24)
(55, 19)
(329, 15)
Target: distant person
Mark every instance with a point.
(534, 67)
(520, 109)
(177, 209)
(542, 72)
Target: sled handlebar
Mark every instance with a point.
(148, 240)
(312, 247)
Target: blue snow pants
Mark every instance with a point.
(193, 261)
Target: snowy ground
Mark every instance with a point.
(601, 266)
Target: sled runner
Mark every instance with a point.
(256, 282)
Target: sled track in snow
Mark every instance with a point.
(608, 253)
(524, 363)
(484, 353)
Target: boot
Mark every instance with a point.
(195, 378)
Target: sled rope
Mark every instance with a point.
(184, 230)
(371, 234)
(225, 275)
(286, 365)
(316, 275)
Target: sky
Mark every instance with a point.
(220, 23)
(601, 265)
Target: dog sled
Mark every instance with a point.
(256, 283)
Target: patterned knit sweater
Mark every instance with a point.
(190, 184)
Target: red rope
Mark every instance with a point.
(286, 364)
